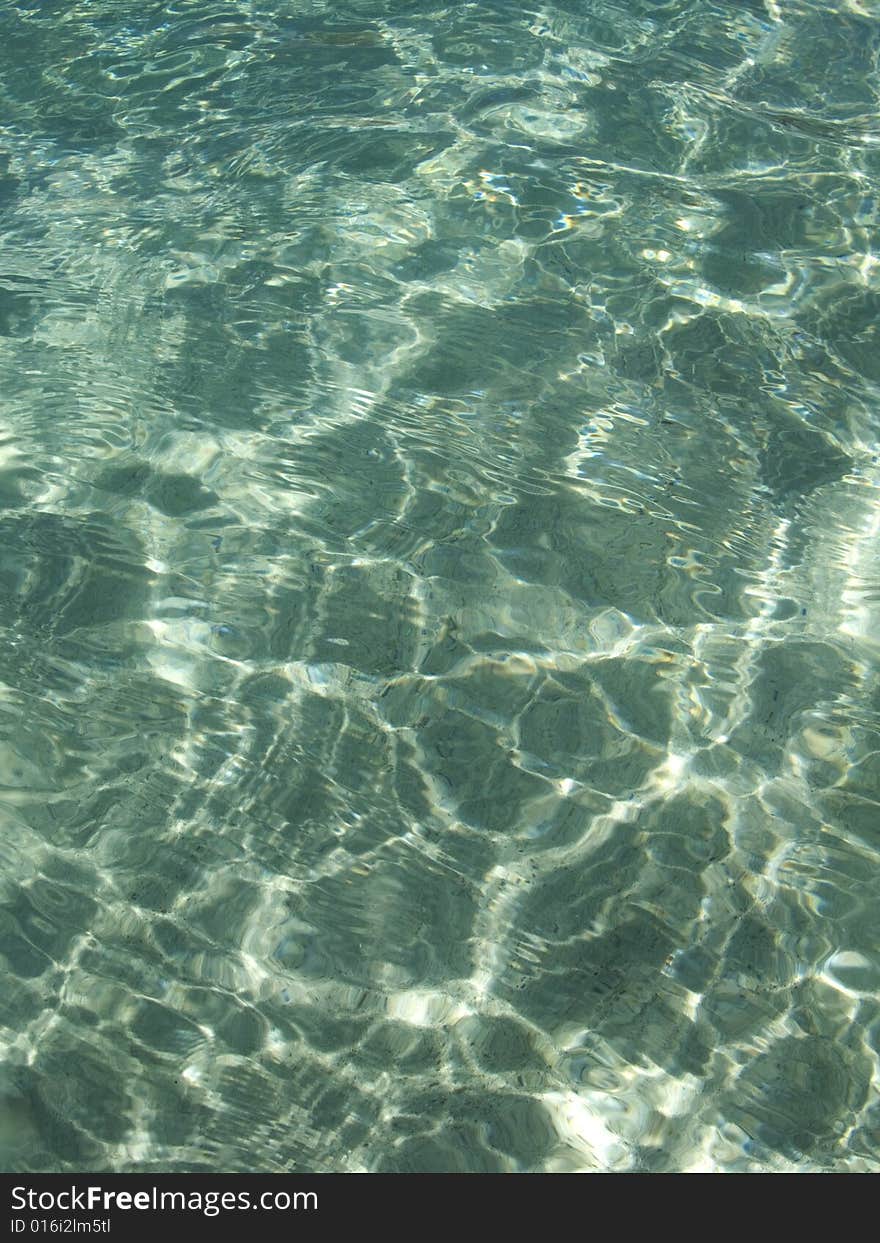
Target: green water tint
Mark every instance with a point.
(438, 581)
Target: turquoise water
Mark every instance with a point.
(439, 585)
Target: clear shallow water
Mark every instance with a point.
(439, 586)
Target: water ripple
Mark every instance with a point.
(438, 698)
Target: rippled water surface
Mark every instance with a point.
(439, 585)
